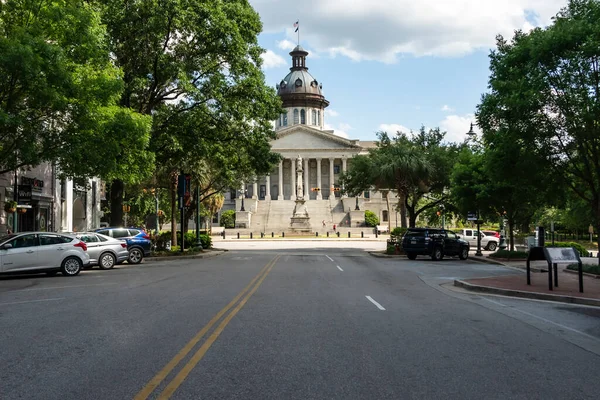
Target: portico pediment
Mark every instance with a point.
(305, 137)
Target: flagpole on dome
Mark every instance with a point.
(297, 26)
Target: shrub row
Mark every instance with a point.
(189, 240)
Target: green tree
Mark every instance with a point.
(416, 166)
(371, 218)
(59, 92)
(194, 66)
(228, 219)
(545, 91)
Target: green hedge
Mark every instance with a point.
(228, 219)
(509, 254)
(582, 250)
(398, 232)
(189, 240)
(590, 269)
(371, 219)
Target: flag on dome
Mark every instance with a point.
(297, 25)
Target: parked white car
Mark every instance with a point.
(43, 252)
(103, 250)
(470, 235)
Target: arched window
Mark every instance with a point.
(284, 118)
(384, 215)
(314, 117)
(303, 116)
(296, 117)
(319, 118)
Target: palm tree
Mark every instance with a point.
(212, 205)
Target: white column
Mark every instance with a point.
(319, 196)
(268, 184)
(280, 188)
(293, 169)
(255, 189)
(331, 179)
(344, 169)
(68, 207)
(306, 185)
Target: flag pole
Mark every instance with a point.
(298, 32)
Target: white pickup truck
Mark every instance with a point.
(470, 235)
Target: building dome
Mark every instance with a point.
(299, 87)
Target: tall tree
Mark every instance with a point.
(545, 88)
(59, 92)
(194, 66)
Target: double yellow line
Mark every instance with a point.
(248, 291)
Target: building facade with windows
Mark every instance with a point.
(47, 203)
(269, 201)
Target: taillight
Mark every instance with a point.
(146, 236)
(82, 245)
(124, 245)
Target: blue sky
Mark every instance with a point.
(395, 64)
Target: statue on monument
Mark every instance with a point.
(299, 185)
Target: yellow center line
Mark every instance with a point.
(180, 377)
(163, 373)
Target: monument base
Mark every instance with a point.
(300, 222)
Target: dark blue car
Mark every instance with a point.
(138, 241)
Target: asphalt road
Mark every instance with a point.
(332, 323)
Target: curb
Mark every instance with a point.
(195, 256)
(570, 271)
(527, 295)
(486, 260)
(382, 255)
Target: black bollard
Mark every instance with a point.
(223, 233)
(362, 234)
(262, 235)
(250, 235)
(272, 234)
(282, 234)
(327, 234)
(338, 234)
(316, 234)
(238, 235)
(348, 233)
(376, 234)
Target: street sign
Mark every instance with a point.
(24, 193)
(184, 190)
(472, 216)
(591, 229)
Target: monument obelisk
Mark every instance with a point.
(300, 220)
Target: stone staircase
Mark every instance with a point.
(274, 215)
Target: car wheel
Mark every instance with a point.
(411, 256)
(492, 246)
(107, 261)
(71, 266)
(135, 256)
(437, 254)
(464, 253)
(51, 273)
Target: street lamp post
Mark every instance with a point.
(357, 208)
(243, 195)
(198, 241)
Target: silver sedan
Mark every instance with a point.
(104, 251)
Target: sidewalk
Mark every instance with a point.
(516, 285)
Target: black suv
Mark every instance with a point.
(436, 243)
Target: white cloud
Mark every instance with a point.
(331, 113)
(339, 131)
(447, 108)
(272, 60)
(286, 44)
(383, 29)
(457, 127)
(393, 128)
